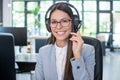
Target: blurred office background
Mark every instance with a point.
(100, 19)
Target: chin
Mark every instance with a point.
(62, 38)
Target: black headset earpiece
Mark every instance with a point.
(77, 23)
(76, 20)
(47, 24)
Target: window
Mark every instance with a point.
(18, 14)
(22, 15)
(104, 5)
(90, 18)
(104, 22)
(116, 23)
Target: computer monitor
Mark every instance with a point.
(19, 33)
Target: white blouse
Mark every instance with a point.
(60, 61)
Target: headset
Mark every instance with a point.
(76, 20)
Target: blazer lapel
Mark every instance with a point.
(53, 69)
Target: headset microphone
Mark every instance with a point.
(79, 26)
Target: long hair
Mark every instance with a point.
(68, 75)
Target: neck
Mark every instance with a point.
(61, 43)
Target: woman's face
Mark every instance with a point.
(61, 25)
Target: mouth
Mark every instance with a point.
(60, 32)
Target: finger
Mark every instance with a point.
(74, 39)
(78, 32)
(74, 34)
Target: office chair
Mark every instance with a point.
(98, 56)
(39, 43)
(7, 58)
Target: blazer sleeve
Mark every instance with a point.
(83, 68)
(39, 68)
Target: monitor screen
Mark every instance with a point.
(19, 33)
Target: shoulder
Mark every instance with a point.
(44, 52)
(45, 48)
(87, 47)
(88, 50)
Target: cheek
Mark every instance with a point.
(52, 31)
(70, 28)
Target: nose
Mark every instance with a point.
(58, 25)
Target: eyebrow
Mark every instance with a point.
(61, 19)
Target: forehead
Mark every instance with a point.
(58, 14)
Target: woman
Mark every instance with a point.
(65, 57)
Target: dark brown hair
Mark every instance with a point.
(68, 75)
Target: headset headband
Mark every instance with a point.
(61, 3)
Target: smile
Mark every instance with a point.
(61, 32)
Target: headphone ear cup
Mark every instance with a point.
(48, 25)
(76, 22)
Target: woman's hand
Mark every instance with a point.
(77, 44)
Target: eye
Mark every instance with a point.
(64, 21)
(53, 22)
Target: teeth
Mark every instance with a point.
(60, 32)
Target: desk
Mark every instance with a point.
(26, 62)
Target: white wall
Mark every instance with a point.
(7, 13)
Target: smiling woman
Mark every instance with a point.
(64, 58)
